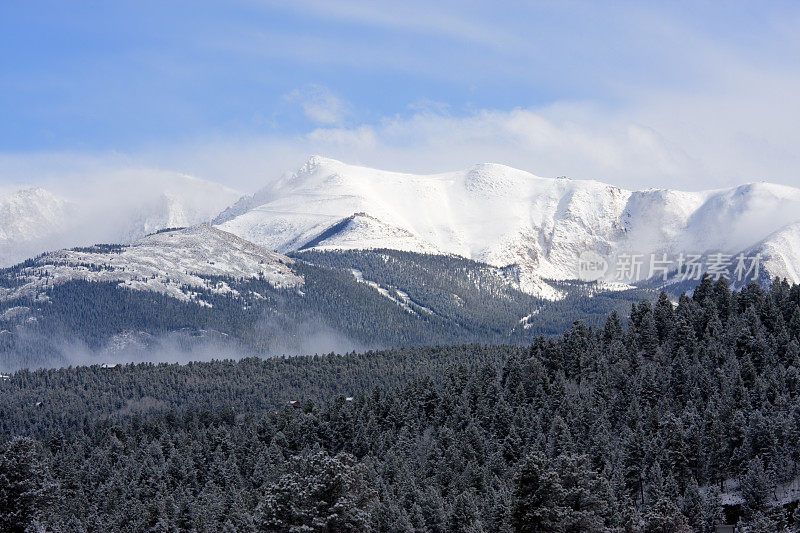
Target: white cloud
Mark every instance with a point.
(673, 97)
(635, 148)
(735, 123)
(668, 141)
(319, 104)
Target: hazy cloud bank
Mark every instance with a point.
(274, 339)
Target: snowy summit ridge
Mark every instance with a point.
(532, 228)
(168, 262)
(504, 216)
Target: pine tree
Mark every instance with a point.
(757, 488)
(711, 513)
(705, 290)
(613, 327)
(464, 515)
(26, 486)
(319, 492)
(692, 505)
(587, 495)
(664, 516)
(664, 315)
(538, 497)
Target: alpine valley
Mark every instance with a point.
(340, 257)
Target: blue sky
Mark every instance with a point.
(680, 94)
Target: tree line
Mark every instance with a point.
(677, 417)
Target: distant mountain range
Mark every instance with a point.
(503, 216)
(121, 209)
(371, 258)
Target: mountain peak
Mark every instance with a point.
(315, 162)
(501, 215)
(28, 214)
(25, 193)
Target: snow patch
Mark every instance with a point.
(359, 276)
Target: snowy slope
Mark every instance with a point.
(360, 231)
(490, 213)
(503, 216)
(780, 253)
(164, 262)
(120, 209)
(28, 216)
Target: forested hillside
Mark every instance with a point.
(399, 299)
(688, 417)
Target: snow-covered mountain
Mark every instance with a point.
(120, 209)
(503, 216)
(170, 262)
(361, 231)
(27, 217)
(781, 253)
(532, 227)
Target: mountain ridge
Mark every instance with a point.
(504, 216)
(491, 213)
(172, 262)
(120, 209)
